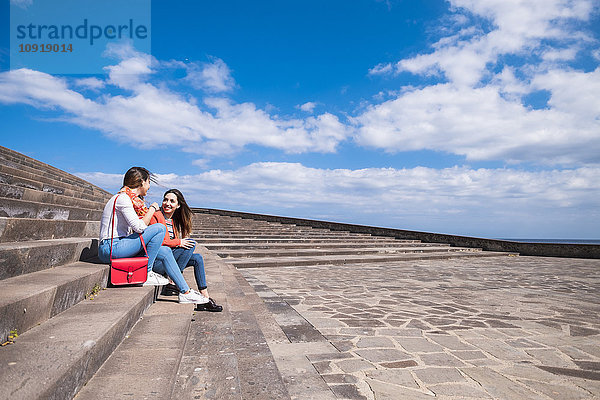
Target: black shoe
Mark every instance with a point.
(210, 306)
(170, 290)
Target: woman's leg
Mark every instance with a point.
(165, 263)
(131, 246)
(182, 256)
(197, 262)
(153, 238)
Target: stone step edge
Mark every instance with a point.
(371, 260)
(299, 240)
(55, 359)
(25, 229)
(31, 299)
(292, 245)
(24, 257)
(342, 251)
(31, 181)
(8, 191)
(52, 208)
(15, 155)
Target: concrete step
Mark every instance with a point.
(365, 241)
(14, 159)
(293, 235)
(343, 251)
(16, 177)
(38, 196)
(31, 299)
(55, 359)
(292, 245)
(354, 259)
(25, 229)
(20, 258)
(175, 353)
(15, 208)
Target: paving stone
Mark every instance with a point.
(582, 331)
(347, 392)
(550, 357)
(340, 378)
(328, 356)
(354, 365)
(440, 359)
(460, 390)
(400, 364)
(469, 354)
(431, 376)
(418, 345)
(500, 350)
(498, 385)
(381, 355)
(385, 391)
(402, 332)
(450, 342)
(374, 342)
(558, 392)
(399, 377)
(323, 367)
(578, 373)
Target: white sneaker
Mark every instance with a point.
(192, 297)
(155, 279)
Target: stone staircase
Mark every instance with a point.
(77, 338)
(51, 283)
(248, 243)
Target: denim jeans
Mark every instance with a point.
(165, 263)
(131, 246)
(186, 258)
(160, 258)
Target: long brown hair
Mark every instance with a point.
(182, 217)
(135, 176)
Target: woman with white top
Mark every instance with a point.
(131, 221)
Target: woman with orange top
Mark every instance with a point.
(176, 216)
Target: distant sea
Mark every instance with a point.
(569, 241)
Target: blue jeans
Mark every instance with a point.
(186, 258)
(160, 258)
(165, 263)
(131, 246)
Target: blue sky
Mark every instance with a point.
(469, 117)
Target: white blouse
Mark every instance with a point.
(126, 219)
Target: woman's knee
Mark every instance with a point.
(164, 252)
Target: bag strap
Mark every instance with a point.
(112, 225)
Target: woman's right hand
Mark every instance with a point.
(155, 206)
(187, 243)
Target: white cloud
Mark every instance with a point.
(491, 202)
(483, 114)
(166, 117)
(483, 125)
(201, 163)
(307, 107)
(214, 77)
(90, 83)
(517, 27)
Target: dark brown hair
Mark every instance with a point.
(135, 176)
(182, 217)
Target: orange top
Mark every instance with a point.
(159, 218)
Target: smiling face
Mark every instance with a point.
(169, 203)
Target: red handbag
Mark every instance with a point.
(130, 270)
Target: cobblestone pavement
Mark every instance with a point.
(497, 328)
